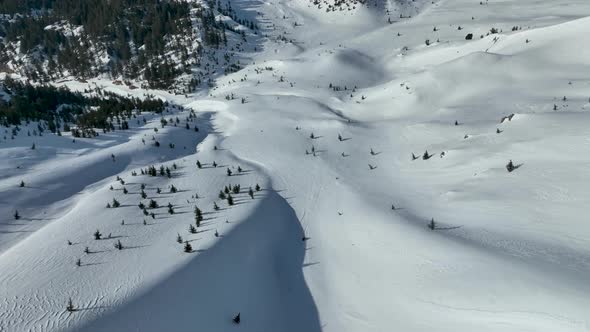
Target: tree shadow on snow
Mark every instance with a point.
(255, 269)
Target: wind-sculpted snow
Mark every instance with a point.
(412, 179)
(255, 269)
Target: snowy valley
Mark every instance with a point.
(349, 175)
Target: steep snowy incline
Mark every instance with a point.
(380, 142)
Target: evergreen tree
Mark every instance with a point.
(187, 247)
(125, 191)
(198, 216)
(153, 204)
(118, 245)
(229, 172)
(70, 307)
(173, 189)
(230, 200)
(22, 184)
(192, 229)
(97, 235)
(199, 164)
(432, 224)
(179, 238)
(510, 166)
(215, 206)
(16, 215)
(116, 203)
(78, 262)
(257, 187)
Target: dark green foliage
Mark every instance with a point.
(134, 33)
(115, 203)
(70, 307)
(153, 204)
(198, 216)
(36, 103)
(432, 224)
(187, 247)
(236, 189)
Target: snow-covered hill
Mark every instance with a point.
(325, 119)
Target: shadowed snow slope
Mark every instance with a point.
(255, 269)
(359, 134)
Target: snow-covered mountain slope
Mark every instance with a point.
(325, 119)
